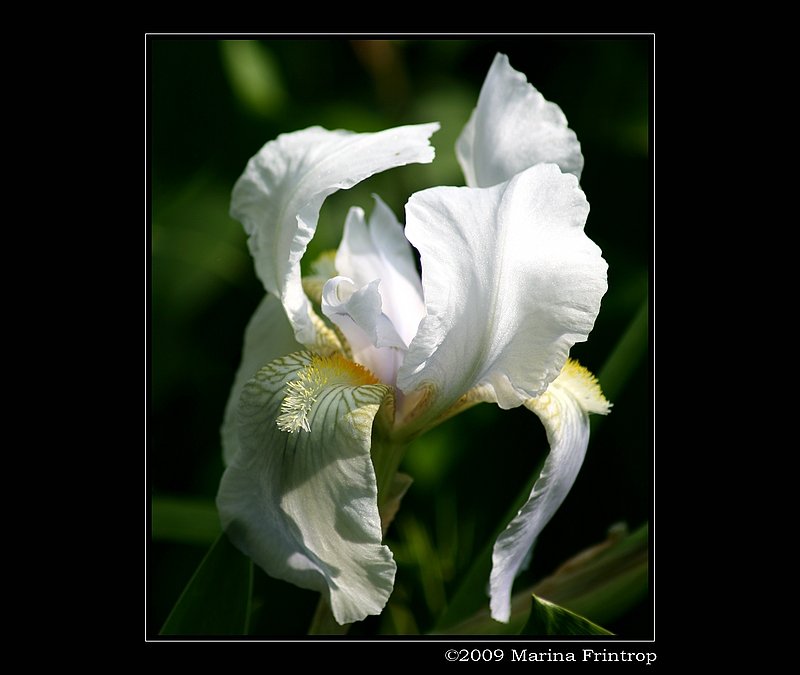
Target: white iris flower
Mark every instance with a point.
(320, 411)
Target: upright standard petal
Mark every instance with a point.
(300, 497)
(380, 250)
(511, 283)
(280, 193)
(372, 337)
(512, 128)
(267, 336)
(564, 410)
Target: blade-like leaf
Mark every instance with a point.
(601, 583)
(549, 619)
(216, 601)
(187, 521)
(627, 353)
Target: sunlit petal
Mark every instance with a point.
(280, 193)
(380, 250)
(511, 283)
(512, 128)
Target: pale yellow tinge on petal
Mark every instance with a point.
(575, 380)
(425, 396)
(312, 287)
(323, 268)
(580, 384)
(327, 340)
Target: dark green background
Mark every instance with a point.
(206, 118)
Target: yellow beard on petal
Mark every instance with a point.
(321, 372)
(583, 386)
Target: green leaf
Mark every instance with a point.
(629, 350)
(216, 601)
(549, 619)
(186, 521)
(601, 583)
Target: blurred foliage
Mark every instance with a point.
(212, 105)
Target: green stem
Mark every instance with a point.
(386, 458)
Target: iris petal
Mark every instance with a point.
(300, 496)
(280, 193)
(512, 128)
(564, 410)
(511, 282)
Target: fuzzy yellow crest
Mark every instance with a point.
(321, 372)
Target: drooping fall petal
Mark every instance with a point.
(300, 496)
(268, 335)
(564, 410)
